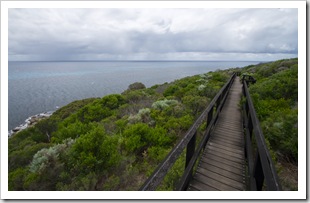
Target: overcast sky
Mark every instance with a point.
(153, 34)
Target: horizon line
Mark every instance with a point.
(140, 60)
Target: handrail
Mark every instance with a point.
(260, 166)
(189, 141)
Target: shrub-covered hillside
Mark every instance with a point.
(275, 97)
(110, 143)
(115, 142)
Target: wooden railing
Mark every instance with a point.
(209, 115)
(260, 166)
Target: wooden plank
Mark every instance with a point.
(206, 157)
(230, 133)
(240, 161)
(232, 114)
(224, 144)
(229, 136)
(222, 179)
(224, 151)
(221, 165)
(236, 127)
(201, 186)
(214, 183)
(232, 142)
(225, 128)
(223, 172)
(232, 123)
(238, 151)
(229, 130)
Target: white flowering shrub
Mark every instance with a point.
(46, 156)
(201, 87)
(142, 115)
(203, 76)
(201, 81)
(162, 104)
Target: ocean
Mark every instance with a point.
(36, 87)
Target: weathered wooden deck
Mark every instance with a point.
(222, 166)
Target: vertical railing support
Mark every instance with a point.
(210, 116)
(190, 149)
(260, 168)
(258, 173)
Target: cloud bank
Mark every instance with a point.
(152, 34)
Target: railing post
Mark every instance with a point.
(209, 119)
(218, 102)
(190, 149)
(210, 116)
(258, 173)
(261, 169)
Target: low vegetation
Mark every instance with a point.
(115, 142)
(275, 97)
(110, 143)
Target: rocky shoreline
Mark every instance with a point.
(30, 121)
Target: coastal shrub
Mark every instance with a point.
(282, 132)
(219, 76)
(16, 141)
(100, 108)
(177, 126)
(70, 108)
(136, 86)
(281, 85)
(121, 125)
(16, 179)
(157, 153)
(177, 110)
(171, 90)
(94, 113)
(46, 127)
(80, 183)
(140, 136)
(275, 97)
(196, 104)
(23, 157)
(72, 130)
(112, 101)
(201, 87)
(162, 104)
(94, 151)
(142, 116)
(134, 96)
(47, 157)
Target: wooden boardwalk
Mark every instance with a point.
(222, 165)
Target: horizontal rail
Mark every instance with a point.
(188, 142)
(260, 165)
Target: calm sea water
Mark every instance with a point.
(36, 87)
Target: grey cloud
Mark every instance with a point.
(86, 34)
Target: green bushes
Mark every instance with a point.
(140, 136)
(275, 97)
(282, 132)
(136, 86)
(94, 151)
(195, 103)
(163, 104)
(110, 143)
